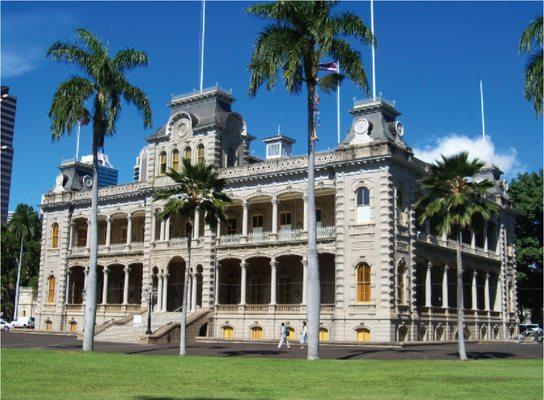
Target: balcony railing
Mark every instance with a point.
(111, 249)
(284, 235)
(451, 244)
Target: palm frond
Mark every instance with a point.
(71, 54)
(532, 36)
(349, 24)
(351, 63)
(92, 43)
(128, 59)
(330, 82)
(136, 96)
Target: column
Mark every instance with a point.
(67, 287)
(445, 287)
(474, 296)
(498, 294)
(193, 292)
(189, 293)
(486, 292)
(129, 229)
(167, 229)
(428, 285)
(71, 239)
(486, 244)
(105, 286)
(125, 286)
(304, 278)
(161, 233)
(159, 292)
(153, 233)
(164, 291)
(273, 265)
(243, 267)
(108, 231)
(472, 238)
(88, 240)
(196, 225)
(427, 226)
(216, 289)
(218, 229)
(245, 217)
(275, 202)
(85, 281)
(305, 214)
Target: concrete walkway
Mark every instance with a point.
(19, 340)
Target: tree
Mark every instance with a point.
(531, 38)
(456, 201)
(526, 194)
(20, 256)
(301, 34)
(197, 187)
(103, 85)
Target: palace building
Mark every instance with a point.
(384, 278)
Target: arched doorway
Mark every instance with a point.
(176, 281)
(229, 281)
(327, 277)
(116, 284)
(258, 280)
(135, 284)
(77, 285)
(289, 280)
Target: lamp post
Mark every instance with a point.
(151, 296)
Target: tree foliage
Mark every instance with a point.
(25, 221)
(532, 39)
(526, 194)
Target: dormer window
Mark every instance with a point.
(278, 146)
(273, 150)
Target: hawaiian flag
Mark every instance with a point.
(332, 67)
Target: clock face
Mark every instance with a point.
(87, 181)
(183, 128)
(59, 180)
(399, 128)
(361, 126)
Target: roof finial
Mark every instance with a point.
(279, 130)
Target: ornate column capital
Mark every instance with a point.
(243, 264)
(273, 263)
(126, 269)
(106, 270)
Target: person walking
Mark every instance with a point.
(283, 336)
(303, 335)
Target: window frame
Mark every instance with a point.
(363, 205)
(51, 283)
(55, 235)
(232, 228)
(175, 159)
(163, 162)
(200, 157)
(363, 285)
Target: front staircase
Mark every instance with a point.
(162, 323)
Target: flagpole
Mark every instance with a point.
(482, 108)
(202, 45)
(338, 106)
(77, 141)
(373, 50)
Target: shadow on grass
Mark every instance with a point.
(250, 353)
(185, 398)
(484, 355)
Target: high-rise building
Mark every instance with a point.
(8, 105)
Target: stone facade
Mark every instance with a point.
(383, 277)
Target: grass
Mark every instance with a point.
(41, 374)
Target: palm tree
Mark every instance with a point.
(197, 187)
(25, 225)
(532, 37)
(301, 34)
(455, 200)
(104, 85)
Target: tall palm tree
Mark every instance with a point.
(25, 225)
(455, 200)
(532, 37)
(196, 187)
(301, 35)
(103, 86)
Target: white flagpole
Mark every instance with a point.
(373, 55)
(482, 108)
(202, 45)
(77, 140)
(338, 107)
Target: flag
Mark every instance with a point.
(331, 67)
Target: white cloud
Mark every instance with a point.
(26, 36)
(506, 160)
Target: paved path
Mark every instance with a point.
(14, 340)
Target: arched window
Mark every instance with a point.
(48, 325)
(363, 283)
(200, 158)
(257, 332)
(175, 159)
(162, 163)
(363, 335)
(55, 236)
(227, 332)
(188, 153)
(51, 289)
(401, 290)
(323, 335)
(363, 205)
(73, 326)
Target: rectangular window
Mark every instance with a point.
(363, 214)
(81, 238)
(258, 221)
(285, 220)
(231, 226)
(318, 217)
(273, 150)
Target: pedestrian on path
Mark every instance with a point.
(283, 336)
(303, 335)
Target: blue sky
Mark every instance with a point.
(430, 58)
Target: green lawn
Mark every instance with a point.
(40, 374)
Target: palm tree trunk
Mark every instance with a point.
(460, 305)
(183, 322)
(90, 291)
(18, 277)
(312, 283)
